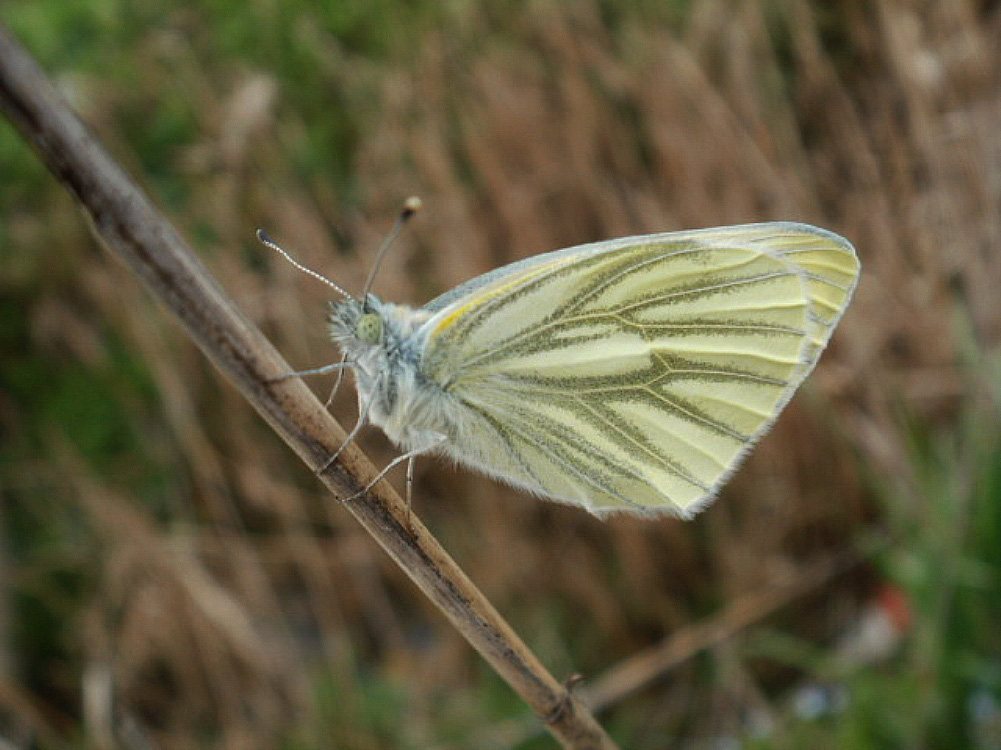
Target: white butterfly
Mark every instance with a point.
(627, 375)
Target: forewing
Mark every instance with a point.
(634, 374)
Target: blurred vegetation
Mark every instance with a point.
(173, 576)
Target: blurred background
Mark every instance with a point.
(172, 576)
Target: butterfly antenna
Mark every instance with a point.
(410, 206)
(264, 240)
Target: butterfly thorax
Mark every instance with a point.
(383, 345)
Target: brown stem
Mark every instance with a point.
(135, 232)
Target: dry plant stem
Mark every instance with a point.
(135, 232)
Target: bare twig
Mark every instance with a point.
(135, 232)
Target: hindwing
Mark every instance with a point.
(634, 374)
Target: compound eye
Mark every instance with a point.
(370, 328)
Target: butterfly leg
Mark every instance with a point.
(410, 487)
(337, 383)
(347, 441)
(336, 366)
(389, 467)
(408, 456)
(362, 421)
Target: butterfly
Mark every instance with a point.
(626, 375)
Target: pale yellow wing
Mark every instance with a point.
(634, 374)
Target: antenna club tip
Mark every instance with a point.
(411, 206)
(261, 237)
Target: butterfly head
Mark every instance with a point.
(357, 326)
(371, 332)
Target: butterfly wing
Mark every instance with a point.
(635, 374)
